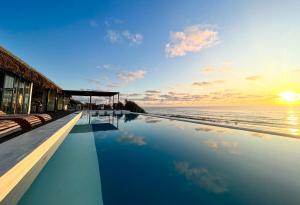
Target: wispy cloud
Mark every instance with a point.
(93, 23)
(206, 83)
(115, 36)
(131, 139)
(113, 21)
(135, 38)
(104, 66)
(152, 92)
(253, 77)
(202, 177)
(192, 39)
(224, 67)
(131, 76)
(230, 146)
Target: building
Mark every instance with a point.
(24, 90)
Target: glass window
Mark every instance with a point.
(15, 93)
(20, 97)
(60, 101)
(51, 100)
(6, 104)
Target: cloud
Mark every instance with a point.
(115, 36)
(206, 83)
(131, 76)
(253, 77)
(133, 94)
(152, 92)
(230, 146)
(93, 23)
(133, 37)
(209, 129)
(104, 66)
(224, 67)
(202, 177)
(152, 119)
(193, 39)
(113, 21)
(131, 139)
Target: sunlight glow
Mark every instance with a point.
(289, 96)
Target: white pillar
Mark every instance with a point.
(30, 96)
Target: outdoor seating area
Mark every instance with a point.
(10, 124)
(8, 127)
(14, 125)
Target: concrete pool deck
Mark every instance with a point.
(22, 158)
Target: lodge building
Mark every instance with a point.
(24, 90)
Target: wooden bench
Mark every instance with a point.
(44, 117)
(25, 121)
(8, 127)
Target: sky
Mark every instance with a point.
(163, 52)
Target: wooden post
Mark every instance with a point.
(113, 102)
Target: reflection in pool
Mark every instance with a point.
(134, 159)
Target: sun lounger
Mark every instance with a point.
(25, 121)
(8, 127)
(44, 117)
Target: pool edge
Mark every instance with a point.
(15, 182)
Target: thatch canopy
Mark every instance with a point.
(16, 66)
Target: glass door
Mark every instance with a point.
(7, 94)
(20, 97)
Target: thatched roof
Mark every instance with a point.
(11, 63)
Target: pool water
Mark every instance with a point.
(133, 159)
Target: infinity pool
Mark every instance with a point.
(136, 160)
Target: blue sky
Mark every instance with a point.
(123, 45)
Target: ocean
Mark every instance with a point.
(281, 120)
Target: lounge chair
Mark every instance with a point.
(44, 117)
(25, 121)
(8, 127)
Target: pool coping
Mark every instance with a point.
(220, 125)
(15, 181)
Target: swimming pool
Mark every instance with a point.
(135, 159)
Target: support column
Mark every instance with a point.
(109, 100)
(113, 102)
(90, 105)
(30, 98)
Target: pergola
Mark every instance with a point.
(91, 93)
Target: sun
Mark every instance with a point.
(289, 96)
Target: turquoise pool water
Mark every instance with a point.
(134, 159)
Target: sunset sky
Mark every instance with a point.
(166, 53)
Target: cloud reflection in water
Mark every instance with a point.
(230, 146)
(202, 177)
(131, 139)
